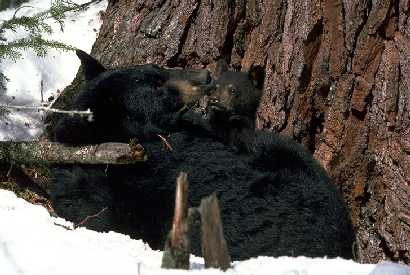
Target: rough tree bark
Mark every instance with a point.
(338, 80)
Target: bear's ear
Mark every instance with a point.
(257, 75)
(221, 67)
(91, 67)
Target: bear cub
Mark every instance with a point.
(228, 113)
(275, 199)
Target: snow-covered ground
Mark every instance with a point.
(31, 74)
(32, 242)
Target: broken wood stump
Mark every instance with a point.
(177, 245)
(214, 247)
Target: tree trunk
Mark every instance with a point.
(338, 80)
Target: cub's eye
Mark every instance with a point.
(233, 91)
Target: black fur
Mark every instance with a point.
(275, 199)
(115, 99)
(139, 102)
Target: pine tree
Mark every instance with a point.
(36, 27)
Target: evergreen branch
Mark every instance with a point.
(36, 23)
(36, 26)
(37, 43)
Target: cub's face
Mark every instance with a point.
(237, 93)
(232, 104)
(230, 109)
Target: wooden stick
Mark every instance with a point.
(177, 245)
(181, 210)
(82, 222)
(214, 247)
(56, 153)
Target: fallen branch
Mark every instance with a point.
(57, 153)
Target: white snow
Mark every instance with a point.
(32, 242)
(31, 74)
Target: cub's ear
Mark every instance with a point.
(257, 75)
(91, 67)
(221, 67)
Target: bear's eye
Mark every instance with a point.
(233, 91)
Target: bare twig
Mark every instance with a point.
(10, 169)
(48, 109)
(41, 90)
(63, 226)
(166, 143)
(19, 8)
(89, 217)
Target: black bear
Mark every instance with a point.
(275, 199)
(131, 103)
